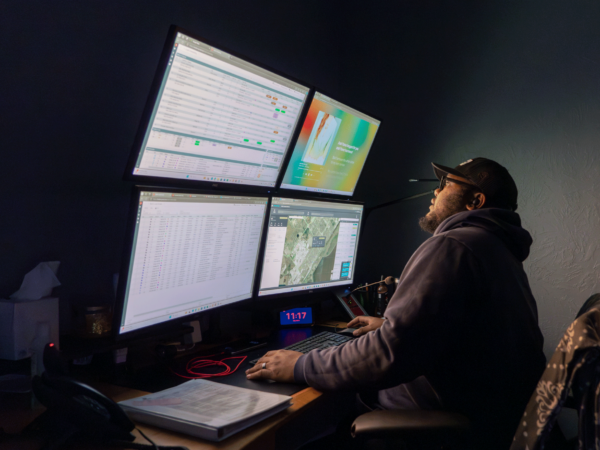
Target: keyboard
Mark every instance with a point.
(325, 339)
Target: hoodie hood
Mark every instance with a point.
(503, 223)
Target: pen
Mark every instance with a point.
(249, 348)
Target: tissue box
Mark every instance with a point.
(19, 321)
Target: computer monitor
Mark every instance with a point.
(189, 252)
(215, 117)
(332, 148)
(310, 244)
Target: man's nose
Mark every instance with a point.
(437, 192)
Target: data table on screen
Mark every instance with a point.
(219, 121)
(191, 256)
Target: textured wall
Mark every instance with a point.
(522, 88)
(530, 99)
(560, 206)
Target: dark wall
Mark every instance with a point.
(520, 87)
(75, 81)
(405, 61)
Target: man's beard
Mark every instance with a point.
(453, 204)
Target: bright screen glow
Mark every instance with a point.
(332, 148)
(310, 244)
(190, 253)
(219, 118)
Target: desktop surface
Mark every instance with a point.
(286, 429)
(309, 415)
(163, 376)
(281, 339)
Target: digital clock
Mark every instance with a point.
(296, 316)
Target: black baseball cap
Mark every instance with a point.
(489, 176)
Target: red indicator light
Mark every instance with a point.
(51, 344)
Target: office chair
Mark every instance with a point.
(572, 380)
(411, 429)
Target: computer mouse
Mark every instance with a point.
(347, 332)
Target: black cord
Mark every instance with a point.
(147, 438)
(132, 445)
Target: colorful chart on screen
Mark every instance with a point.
(332, 148)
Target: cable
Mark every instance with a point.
(360, 287)
(147, 438)
(135, 446)
(386, 280)
(194, 364)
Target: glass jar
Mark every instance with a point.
(98, 321)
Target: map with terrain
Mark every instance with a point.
(309, 250)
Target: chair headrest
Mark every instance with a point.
(592, 302)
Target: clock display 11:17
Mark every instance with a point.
(296, 316)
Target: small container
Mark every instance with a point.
(98, 321)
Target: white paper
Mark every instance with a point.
(207, 402)
(39, 282)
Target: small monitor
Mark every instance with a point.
(311, 244)
(215, 117)
(332, 148)
(189, 252)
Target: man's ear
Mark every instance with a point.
(477, 202)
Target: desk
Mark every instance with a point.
(308, 416)
(263, 435)
(287, 429)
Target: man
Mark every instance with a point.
(461, 331)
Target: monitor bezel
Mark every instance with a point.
(174, 324)
(151, 102)
(325, 195)
(267, 297)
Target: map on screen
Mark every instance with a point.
(309, 250)
(310, 244)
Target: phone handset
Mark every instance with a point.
(87, 410)
(77, 412)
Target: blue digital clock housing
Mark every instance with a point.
(296, 316)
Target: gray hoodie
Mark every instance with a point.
(462, 322)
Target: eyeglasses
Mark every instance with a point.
(444, 180)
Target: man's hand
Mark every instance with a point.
(278, 365)
(365, 324)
